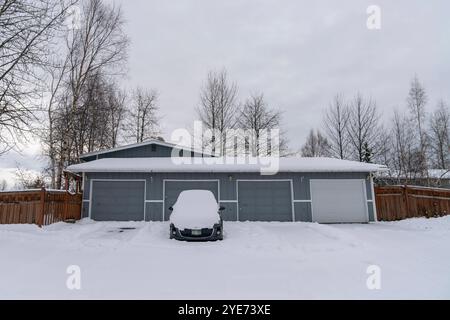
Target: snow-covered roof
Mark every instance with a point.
(198, 164)
(136, 145)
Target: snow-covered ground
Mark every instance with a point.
(255, 261)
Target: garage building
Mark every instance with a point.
(141, 182)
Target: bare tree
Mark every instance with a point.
(316, 145)
(97, 48)
(336, 122)
(27, 179)
(417, 100)
(363, 128)
(100, 44)
(3, 185)
(259, 122)
(27, 29)
(218, 108)
(117, 113)
(400, 151)
(81, 115)
(383, 145)
(143, 117)
(56, 72)
(440, 136)
(406, 156)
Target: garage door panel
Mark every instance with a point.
(265, 201)
(174, 188)
(118, 200)
(339, 201)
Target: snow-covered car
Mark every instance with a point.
(196, 217)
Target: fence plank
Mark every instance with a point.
(39, 207)
(402, 202)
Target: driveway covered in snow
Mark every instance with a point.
(255, 261)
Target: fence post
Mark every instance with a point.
(406, 195)
(41, 209)
(66, 179)
(66, 205)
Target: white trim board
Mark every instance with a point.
(374, 206)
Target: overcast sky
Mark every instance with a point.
(298, 53)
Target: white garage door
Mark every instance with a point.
(339, 201)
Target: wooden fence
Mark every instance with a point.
(403, 202)
(41, 207)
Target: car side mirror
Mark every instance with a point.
(222, 208)
(171, 209)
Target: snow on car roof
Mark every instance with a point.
(195, 209)
(204, 195)
(249, 164)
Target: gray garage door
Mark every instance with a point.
(265, 201)
(339, 201)
(118, 200)
(174, 188)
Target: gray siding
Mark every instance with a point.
(371, 211)
(228, 192)
(303, 211)
(88, 159)
(230, 212)
(146, 151)
(85, 209)
(153, 211)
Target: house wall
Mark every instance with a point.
(146, 151)
(228, 191)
